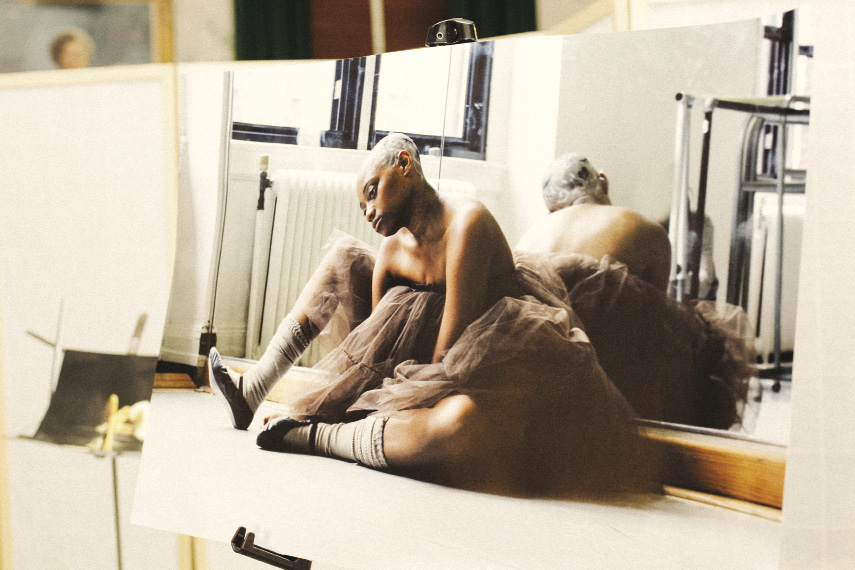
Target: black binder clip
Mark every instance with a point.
(449, 32)
(244, 543)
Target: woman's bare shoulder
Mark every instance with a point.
(469, 214)
(475, 232)
(388, 248)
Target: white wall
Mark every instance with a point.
(204, 31)
(529, 80)
(200, 157)
(648, 14)
(551, 13)
(88, 194)
(819, 502)
(618, 101)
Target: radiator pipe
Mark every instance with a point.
(264, 181)
(264, 218)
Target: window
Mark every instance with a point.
(784, 56)
(346, 104)
(287, 104)
(326, 104)
(463, 120)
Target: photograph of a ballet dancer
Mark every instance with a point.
(483, 369)
(426, 300)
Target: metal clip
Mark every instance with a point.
(244, 543)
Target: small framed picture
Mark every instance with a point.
(67, 34)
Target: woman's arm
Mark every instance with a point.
(470, 251)
(381, 277)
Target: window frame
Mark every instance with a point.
(473, 143)
(346, 111)
(347, 107)
(264, 133)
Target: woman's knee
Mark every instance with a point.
(453, 424)
(347, 269)
(346, 250)
(459, 443)
(438, 435)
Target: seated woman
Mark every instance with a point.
(583, 220)
(473, 363)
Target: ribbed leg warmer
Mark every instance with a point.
(284, 349)
(360, 441)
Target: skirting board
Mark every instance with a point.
(181, 344)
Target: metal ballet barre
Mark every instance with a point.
(781, 111)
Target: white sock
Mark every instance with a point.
(284, 349)
(360, 441)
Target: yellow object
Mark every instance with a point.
(112, 409)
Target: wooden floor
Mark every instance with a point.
(201, 477)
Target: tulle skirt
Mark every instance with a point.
(582, 349)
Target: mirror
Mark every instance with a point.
(489, 123)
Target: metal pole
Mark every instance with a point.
(208, 338)
(675, 191)
(780, 163)
(678, 224)
(117, 518)
(709, 106)
(56, 362)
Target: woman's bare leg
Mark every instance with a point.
(457, 442)
(344, 275)
(460, 443)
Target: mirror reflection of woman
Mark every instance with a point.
(474, 366)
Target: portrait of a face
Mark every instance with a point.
(73, 49)
(73, 35)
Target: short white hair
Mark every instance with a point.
(570, 177)
(387, 149)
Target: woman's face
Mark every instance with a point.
(383, 195)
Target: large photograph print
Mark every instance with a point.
(467, 301)
(85, 271)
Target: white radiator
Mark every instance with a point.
(302, 211)
(761, 295)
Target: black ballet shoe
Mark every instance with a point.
(271, 438)
(232, 396)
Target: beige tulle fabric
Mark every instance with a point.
(582, 349)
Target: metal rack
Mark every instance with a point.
(779, 112)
